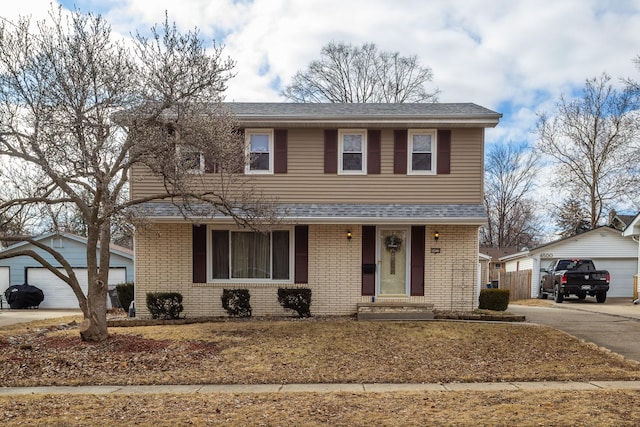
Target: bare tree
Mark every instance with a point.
(81, 110)
(510, 171)
(593, 140)
(347, 73)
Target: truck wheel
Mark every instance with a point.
(558, 295)
(581, 295)
(542, 294)
(601, 297)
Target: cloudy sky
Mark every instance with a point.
(515, 57)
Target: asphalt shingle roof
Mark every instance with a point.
(328, 111)
(335, 213)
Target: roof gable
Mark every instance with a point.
(588, 243)
(118, 250)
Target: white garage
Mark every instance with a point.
(606, 246)
(57, 294)
(622, 272)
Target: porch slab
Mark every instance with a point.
(395, 310)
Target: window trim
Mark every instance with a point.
(210, 279)
(247, 135)
(363, 149)
(434, 145)
(180, 148)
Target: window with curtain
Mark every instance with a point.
(250, 255)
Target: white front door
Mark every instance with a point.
(393, 249)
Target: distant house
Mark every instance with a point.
(57, 294)
(619, 222)
(496, 265)
(606, 246)
(632, 233)
(379, 203)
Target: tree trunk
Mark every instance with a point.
(94, 325)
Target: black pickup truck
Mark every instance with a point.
(577, 277)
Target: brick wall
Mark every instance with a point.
(163, 263)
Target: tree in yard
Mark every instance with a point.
(593, 140)
(510, 171)
(347, 73)
(80, 111)
(572, 218)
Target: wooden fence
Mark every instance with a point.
(518, 283)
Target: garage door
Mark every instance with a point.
(57, 294)
(622, 272)
(4, 278)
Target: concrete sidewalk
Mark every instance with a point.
(324, 388)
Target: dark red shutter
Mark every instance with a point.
(280, 137)
(444, 151)
(369, 260)
(417, 260)
(301, 267)
(210, 166)
(400, 152)
(373, 152)
(199, 253)
(331, 151)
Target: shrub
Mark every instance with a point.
(297, 299)
(236, 302)
(125, 294)
(494, 299)
(164, 305)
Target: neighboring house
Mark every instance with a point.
(378, 201)
(496, 266)
(57, 294)
(619, 221)
(606, 246)
(632, 233)
(484, 261)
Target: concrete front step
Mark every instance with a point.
(394, 310)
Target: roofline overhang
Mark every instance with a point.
(332, 220)
(473, 122)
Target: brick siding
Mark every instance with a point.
(163, 263)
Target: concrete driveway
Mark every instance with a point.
(614, 325)
(11, 317)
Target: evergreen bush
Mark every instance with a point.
(297, 299)
(164, 305)
(494, 299)
(236, 302)
(125, 294)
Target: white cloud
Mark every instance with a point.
(513, 56)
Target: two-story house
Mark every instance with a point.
(379, 202)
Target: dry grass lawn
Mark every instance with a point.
(308, 351)
(314, 351)
(546, 408)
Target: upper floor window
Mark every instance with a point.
(189, 159)
(259, 150)
(352, 148)
(421, 151)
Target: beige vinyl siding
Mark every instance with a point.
(306, 181)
